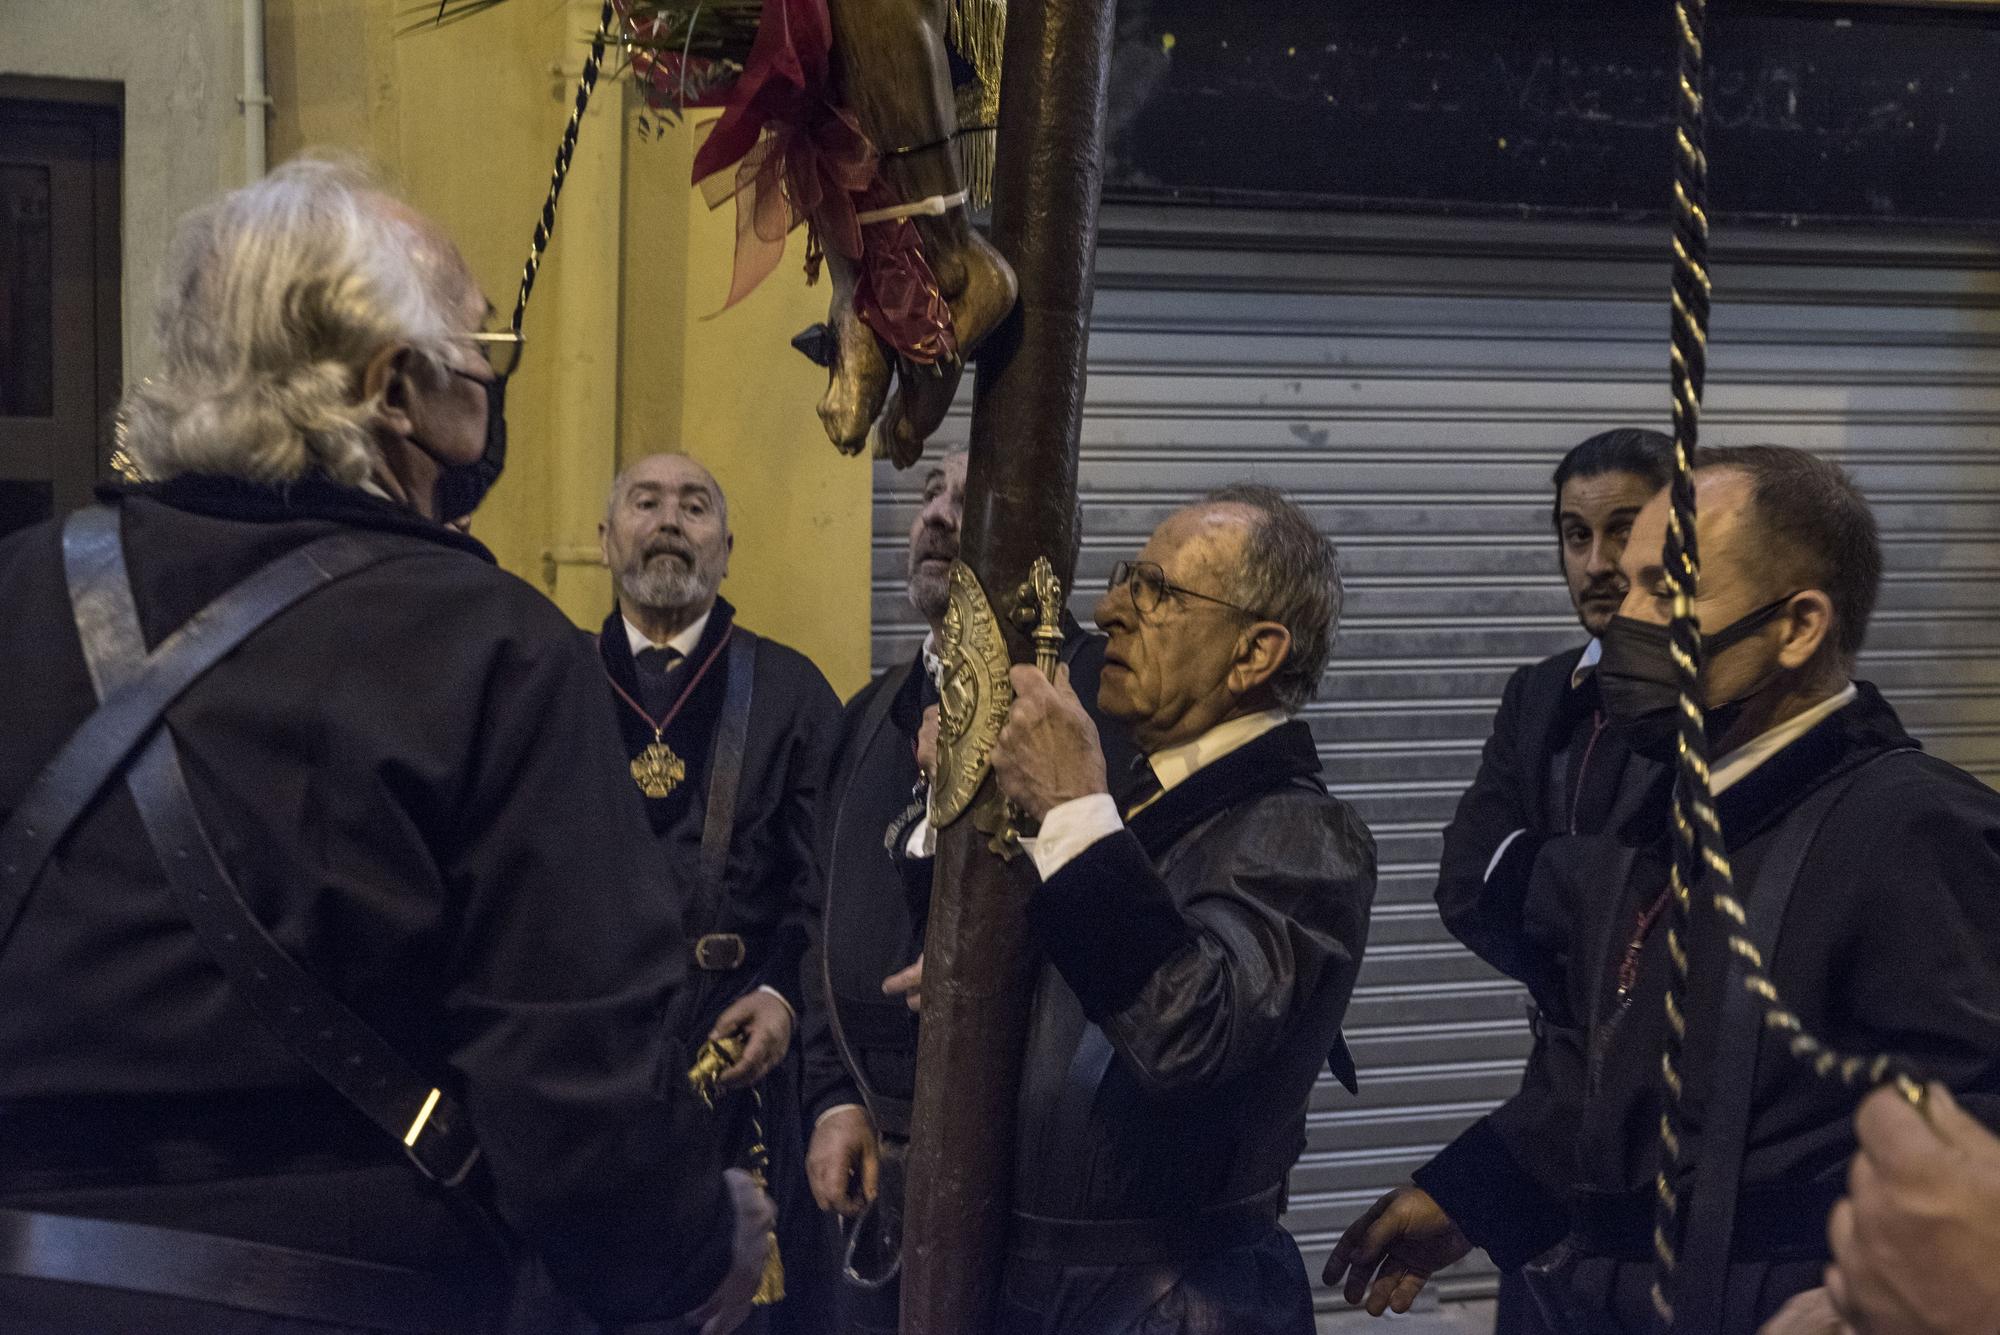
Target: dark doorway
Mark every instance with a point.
(59, 291)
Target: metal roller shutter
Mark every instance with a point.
(1413, 382)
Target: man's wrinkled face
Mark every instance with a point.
(934, 537)
(1593, 523)
(1166, 672)
(667, 537)
(1734, 581)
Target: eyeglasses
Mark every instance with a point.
(502, 350)
(1149, 584)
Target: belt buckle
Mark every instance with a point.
(719, 952)
(451, 1178)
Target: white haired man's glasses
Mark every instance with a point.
(502, 350)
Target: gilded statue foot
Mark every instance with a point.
(981, 289)
(858, 380)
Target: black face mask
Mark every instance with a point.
(461, 487)
(1636, 678)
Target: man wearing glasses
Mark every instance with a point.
(863, 979)
(343, 999)
(1203, 938)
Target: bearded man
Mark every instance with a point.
(725, 734)
(876, 850)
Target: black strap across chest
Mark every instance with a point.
(891, 1116)
(725, 778)
(1707, 1238)
(135, 690)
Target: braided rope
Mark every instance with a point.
(1699, 850)
(545, 226)
(1697, 833)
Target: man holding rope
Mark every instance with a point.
(1878, 862)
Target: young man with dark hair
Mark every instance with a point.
(1869, 872)
(1552, 766)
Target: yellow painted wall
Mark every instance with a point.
(464, 121)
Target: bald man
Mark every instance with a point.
(725, 736)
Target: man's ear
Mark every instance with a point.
(385, 380)
(1260, 652)
(1808, 626)
(604, 541)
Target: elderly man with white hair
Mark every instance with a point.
(1203, 931)
(336, 999)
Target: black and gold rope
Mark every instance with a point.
(1700, 855)
(1697, 833)
(545, 226)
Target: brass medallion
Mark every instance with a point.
(657, 770)
(973, 699)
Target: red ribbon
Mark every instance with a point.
(787, 154)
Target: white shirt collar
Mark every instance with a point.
(1737, 766)
(684, 642)
(1177, 764)
(1592, 652)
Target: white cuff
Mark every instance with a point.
(1071, 828)
(1501, 852)
(922, 842)
(781, 997)
(838, 1107)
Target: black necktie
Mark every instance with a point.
(656, 673)
(1143, 788)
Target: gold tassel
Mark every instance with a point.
(770, 1289)
(977, 30)
(717, 1056)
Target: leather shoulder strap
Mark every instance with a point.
(134, 689)
(725, 773)
(891, 1116)
(319, 1028)
(1707, 1238)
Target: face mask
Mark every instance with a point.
(1636, 678)
(461, 487)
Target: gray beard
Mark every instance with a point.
(668, 586)
(930, 595)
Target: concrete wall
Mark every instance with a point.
(181, 64)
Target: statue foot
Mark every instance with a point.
(981, 289)
(858, 380)
(980, 286)
(923, 396)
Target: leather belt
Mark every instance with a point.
(227, 1272)
(1095, 1242)
(721, 952)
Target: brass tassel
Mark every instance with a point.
(772, 1289)
(717, 1056)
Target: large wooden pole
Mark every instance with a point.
(1020, 504)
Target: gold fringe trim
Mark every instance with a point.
(977, 30)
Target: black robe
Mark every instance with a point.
(771, 895)
(405, 773)
(770, 898)
(877, 901)
(1551, 766)
(1890, 943)
(1200, 964)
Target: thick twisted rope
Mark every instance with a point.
(1697, 833)
(545, 226)
(1699, 851)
